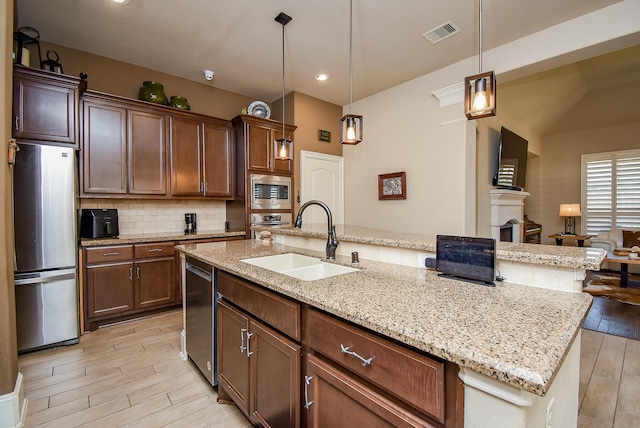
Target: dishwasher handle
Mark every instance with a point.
(198, 271)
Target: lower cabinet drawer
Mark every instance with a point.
(108, 254)
(414, 378)
(334, 399)
(279, 312)
(143, 251)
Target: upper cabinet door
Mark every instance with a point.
(104, 165)
(147, 161)
(45, 108)
(186, 161)
(259, 156)
(218, 160)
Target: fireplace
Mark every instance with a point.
(507, 215)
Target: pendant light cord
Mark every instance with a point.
(480, 38)
(351, 55)
(283, 136)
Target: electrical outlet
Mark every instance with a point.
(550, 412)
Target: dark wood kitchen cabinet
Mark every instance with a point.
(124, 280)
(124, 148)
(255, 138)
(201, 157)
(353, 373)
(350, 376)
(154, 272)
(108, 281)
(45, 106)
(258, 366)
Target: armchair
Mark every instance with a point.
(616, 238)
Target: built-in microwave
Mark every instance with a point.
(270, 192)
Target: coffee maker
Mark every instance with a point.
(190, 223)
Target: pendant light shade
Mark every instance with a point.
(283, 147)
(480, 89)
(351, 125)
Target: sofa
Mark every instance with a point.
(617, 238)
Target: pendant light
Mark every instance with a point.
(283, 147)
(480, 90)
(351, 124)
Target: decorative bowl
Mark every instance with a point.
(179, 102)
(153, 92)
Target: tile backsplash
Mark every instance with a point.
(158, 216)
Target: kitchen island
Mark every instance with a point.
(517, 346)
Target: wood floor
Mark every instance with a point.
(127, 375)
(130, 375)
(614, 317)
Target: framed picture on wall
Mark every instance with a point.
(392, 186)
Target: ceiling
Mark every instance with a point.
(242, 43)
(593, 93)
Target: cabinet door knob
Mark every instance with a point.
(137, 272)
(130, 273)
(17, 123)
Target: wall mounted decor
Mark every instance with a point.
(392, 186)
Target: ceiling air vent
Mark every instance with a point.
(441, 32)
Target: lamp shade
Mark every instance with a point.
(570, 210)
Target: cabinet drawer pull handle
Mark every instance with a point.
(109, 254)
(307, 381)
(155, 250)
(130, 273)
(365, 361)
(242, 347)
(249, 353)
(137, 272)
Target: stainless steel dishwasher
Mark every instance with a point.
(201, 318)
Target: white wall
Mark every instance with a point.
(405, 129)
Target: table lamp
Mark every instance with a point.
(569, 212)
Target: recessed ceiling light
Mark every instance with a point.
(120, 1)
(322, 77)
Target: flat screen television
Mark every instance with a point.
(512, 161)
(466, 258)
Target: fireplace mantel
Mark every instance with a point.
(507, 206)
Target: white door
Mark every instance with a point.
(322, 178)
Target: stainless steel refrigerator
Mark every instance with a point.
(44, 218)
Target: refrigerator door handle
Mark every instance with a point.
(41, 279)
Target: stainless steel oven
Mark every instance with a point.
(271, 219)
(270, 192)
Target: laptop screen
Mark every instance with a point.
(466, 257)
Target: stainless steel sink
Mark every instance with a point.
(298, 266)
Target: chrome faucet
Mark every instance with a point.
(332, 240)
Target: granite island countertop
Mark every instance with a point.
(516, 334)
(550, 255)
(158, 237)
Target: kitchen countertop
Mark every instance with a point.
(158, 237)
(550, 255)
(513, 333)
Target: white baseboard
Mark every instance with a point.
(13, 407)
